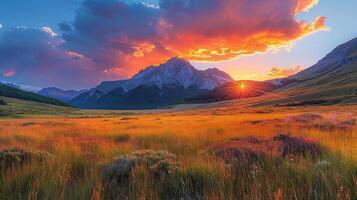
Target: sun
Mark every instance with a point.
(242, 86)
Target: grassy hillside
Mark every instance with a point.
(336, 87)
(7, 91)
(235, 90)
(17, 108)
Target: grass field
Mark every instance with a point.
(215, 152)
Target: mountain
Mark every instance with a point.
(337, 59)
(235, 90)
(12, 92)
(330, 81)
(19, 86)
(153, 87)
(62, 95)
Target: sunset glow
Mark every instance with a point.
(101, 40)
(242, 86)
(99, 44)
(178, 99)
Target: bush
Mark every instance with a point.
(251, 149)
(297, 146)
(18, 157)
(157, 162)
(304, 118)
(2, 102)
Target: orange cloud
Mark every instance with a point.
(304, 5)
(232, 28)
(122, 38)
(277, 72)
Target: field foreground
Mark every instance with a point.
(205, 153)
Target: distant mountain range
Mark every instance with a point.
(332, 80)
(18, 86)
(153, 87)
(13, 92)
(59, 94)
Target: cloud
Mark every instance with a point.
(49, 31)
(277, 72)
(111, 39)
(9, 73)
(36, 57)
(131, 36)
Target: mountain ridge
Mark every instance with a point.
(13, 92)
(59, 94)
(332, 80)
(176, 77)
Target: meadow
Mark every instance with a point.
(229, 152)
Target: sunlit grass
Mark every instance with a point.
(82, 147)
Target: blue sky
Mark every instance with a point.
(34, 14)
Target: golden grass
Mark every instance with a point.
(158, 131)
(84, 144)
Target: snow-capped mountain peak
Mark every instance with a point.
(177, 74)
(175, 71)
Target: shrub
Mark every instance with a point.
(2, 102)
(252, 149)
(304, 118)
(157, 162)
(297, 146)
(18, 157)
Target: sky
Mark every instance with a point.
(76, 44)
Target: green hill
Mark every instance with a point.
(22, 108)
(7, 91)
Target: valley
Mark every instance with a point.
(178, 100)
(174, 132)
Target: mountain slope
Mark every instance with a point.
(8, 91)
(332, 80)
(153, 87)
(62, 95)
(338, 58)
(235, 90)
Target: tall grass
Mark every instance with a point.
(82, 148)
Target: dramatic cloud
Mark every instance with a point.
(131, 36)
(110, 39)
(277, 72)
